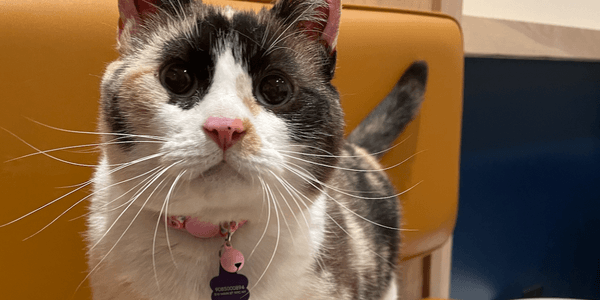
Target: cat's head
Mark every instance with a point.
(226, 101)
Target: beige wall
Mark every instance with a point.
(549, 29)
(570, 13)
(407, 4)
(450, 7)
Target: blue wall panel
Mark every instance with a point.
(529, 211)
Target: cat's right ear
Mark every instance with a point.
(131, 13)
(131, 17)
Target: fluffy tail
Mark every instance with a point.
(384, 124)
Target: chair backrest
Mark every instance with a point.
(53, 54)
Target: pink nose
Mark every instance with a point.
(224, 131)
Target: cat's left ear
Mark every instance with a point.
(318, 19)
(135, 11)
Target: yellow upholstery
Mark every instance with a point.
(52, 56)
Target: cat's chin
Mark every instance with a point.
(221, 171)
(223, 195)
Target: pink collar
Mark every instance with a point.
(231, 259)
(202, 229)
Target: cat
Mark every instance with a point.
(229, 119)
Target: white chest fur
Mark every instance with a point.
(133, 258)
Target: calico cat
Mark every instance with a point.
(220, 121)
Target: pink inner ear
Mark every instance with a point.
(134, 10)
(333, 23)
(326, 32)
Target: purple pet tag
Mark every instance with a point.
(230, 285)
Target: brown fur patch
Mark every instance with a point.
(138, 100)
(370, 163)
(132, 81)
(251, 141)
(368, 158)
(243, 85)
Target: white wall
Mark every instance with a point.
(571, 13)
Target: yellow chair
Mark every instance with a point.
(52, 56)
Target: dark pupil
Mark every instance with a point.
(274, 89)
(178, 79)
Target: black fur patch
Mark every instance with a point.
(329, 65)
(198, 53)
(118, 123)
(173, 6)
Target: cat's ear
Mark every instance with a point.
(318, 19)
(133, 13)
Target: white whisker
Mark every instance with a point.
(276, 241)
(154, 238)
(77, 203)
(289, 207)
(340, 226)
(341, 191)
(45, 205)
(99, 133)
(354, 170)
(262, 182)
(128, 226)
(342, 156)
(167, 199)
(284, 218)
(77, 146)
(339, 203)
(133, 199)
(293, 193)
(46, 154)
(79, 188)
(105, 205)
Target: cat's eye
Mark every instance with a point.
(178, 79)
(274, 89)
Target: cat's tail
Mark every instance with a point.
(383, 125)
